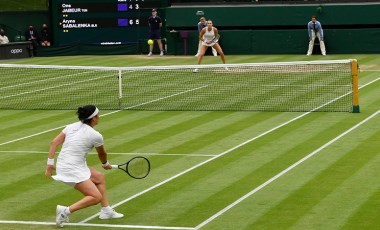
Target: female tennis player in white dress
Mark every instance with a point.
(206, 36)
(77, 140)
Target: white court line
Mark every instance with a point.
(176, 94)
(103, 115)
(112, 153)
(283, 172)
(53, 87)
(42, 80)
(95, 225)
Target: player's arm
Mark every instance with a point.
(58, 140)
(102, 154)
(203, 31)
(216, 32)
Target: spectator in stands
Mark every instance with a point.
(3, 38)
(32, 36)
(314, 29)
(45, 36)
(202, 24)
(155, 24)
(207, 37)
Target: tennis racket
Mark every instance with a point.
(137, 167)
(214, 40)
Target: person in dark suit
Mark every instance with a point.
(45, 36)
(32, 36)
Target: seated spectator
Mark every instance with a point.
(32, 36)
(3, 38)
(45, 36)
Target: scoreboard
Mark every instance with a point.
(104, 22)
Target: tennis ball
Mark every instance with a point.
(150, 42)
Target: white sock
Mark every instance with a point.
(107, 209)
(67, 211)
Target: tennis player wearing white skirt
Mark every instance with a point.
(207, 35)
(77, 140)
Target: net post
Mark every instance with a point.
(355, 86)
(120, 88)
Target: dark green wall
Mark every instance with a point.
(283, 41)
(280, 29)
(264, 15)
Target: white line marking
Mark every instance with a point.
(94, 225)
(106, 114)
(42, 80)
(54, 87)
(162, 98)
(111, 153)
(283, 172)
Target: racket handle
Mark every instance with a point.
(114, 166)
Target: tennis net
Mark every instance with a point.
(279, 86)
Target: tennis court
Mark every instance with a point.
(210, 169)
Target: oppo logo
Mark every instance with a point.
(16, 51)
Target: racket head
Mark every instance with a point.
(137, 167)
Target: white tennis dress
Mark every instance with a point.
(208, 36)
(71, 163)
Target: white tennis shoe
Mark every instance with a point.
(149, 54)
(110, 215)
(61, 216)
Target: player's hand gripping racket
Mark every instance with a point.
(214, 41)
(137, 167)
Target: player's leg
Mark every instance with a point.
(202, 53)
(92, 195)
(220, 51)
(99, 180)
(321, 44)
(311, 43)
(199, 48)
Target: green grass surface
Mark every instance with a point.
(218, 170)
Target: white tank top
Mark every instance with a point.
(209, 35)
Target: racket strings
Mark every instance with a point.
(138, 168)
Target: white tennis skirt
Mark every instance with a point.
(72, 173)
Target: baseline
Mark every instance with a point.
(95, 225)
